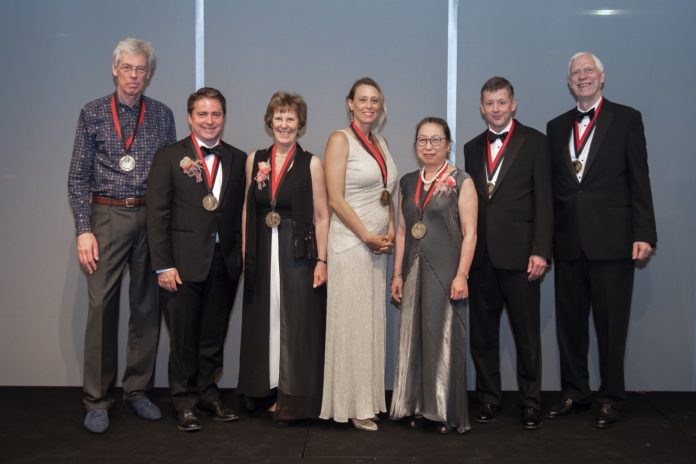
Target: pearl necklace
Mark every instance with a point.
(437, 174)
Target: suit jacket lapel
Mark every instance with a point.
(566, 145)
(226, 160)
(478, 170)
(510, 153)
(603, 122)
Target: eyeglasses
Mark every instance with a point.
(127, 69)
(435, 141)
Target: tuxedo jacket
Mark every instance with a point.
(180, 232)
(611, 207)
(517, 220)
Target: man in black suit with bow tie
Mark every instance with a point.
(509, 164)
(195, 197)
(604, 222)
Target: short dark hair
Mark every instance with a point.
(496, 83)
(291, 101)
(435, 120)
(206, 92)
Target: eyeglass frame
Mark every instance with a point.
(128, 69)
(423, 141)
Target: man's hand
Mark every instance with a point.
(169, 279)
(641, 250)
(536, 267)
(88, 252)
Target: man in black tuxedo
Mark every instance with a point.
(195, 198)
(509, 163)
(604, 221)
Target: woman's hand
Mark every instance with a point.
(397, 288)
(379, 244)
(320, 274)
(460, 288)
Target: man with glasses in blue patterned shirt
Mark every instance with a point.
(116, 139)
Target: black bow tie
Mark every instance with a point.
(579, 115)
(211, 151)
(492, 137)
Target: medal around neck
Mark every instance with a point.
(490, 187)
(418, 230)
(385, 198)
(577, 164)
(126, 163)
(210, 203)
(273, 219)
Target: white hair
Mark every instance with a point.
(598, 62)
(135, 47)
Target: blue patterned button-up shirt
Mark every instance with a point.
(94, 168)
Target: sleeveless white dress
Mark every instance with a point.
(355, 317)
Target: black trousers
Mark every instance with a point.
(197, 316)
(605, 286)
(489, 290)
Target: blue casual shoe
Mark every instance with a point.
(97, 420)
(143, 408)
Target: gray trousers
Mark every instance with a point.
(121, 236)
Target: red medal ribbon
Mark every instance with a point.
(209, 177)
(419, 186)
(117, 125)
(493, 166)
(276, 180)
(372, 150)
(580, 142)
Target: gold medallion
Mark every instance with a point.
(273, 219)
(577, 164)
(126, 163)
(210, 203)
(490, 186)
(385, 198)
(418, 230)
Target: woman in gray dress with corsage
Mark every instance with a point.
(435, 243)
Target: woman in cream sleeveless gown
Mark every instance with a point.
(361, 234)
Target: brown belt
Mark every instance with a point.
(127, 202)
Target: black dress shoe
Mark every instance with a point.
(607, 417)
(567, 408)
(531, 418)
(188, 422)
(486, 413)
(218, 411)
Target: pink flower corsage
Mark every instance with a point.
(262, 175)
(445, 186)
(192, 168)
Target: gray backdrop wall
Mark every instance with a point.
(56, 57)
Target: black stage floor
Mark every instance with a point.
(44, 425)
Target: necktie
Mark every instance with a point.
(579, 115)
(492, 137)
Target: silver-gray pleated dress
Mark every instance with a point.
(431, 368)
